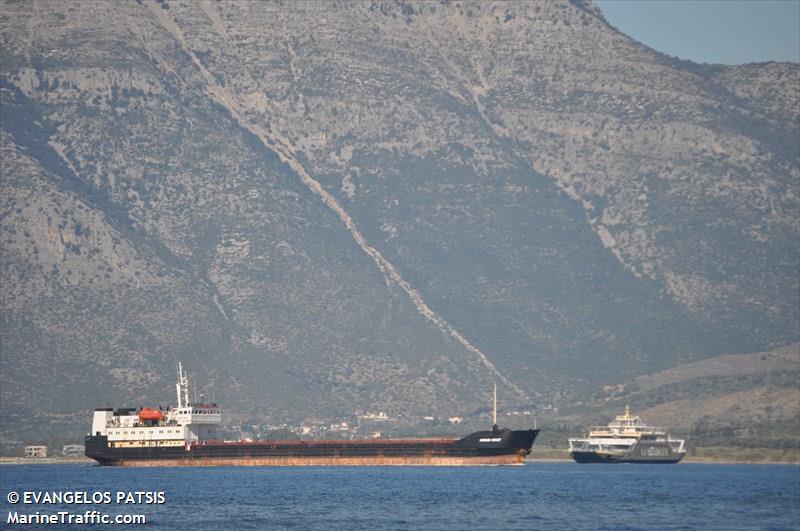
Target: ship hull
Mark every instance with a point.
(505, 447)
(596, 457)
(505, 460)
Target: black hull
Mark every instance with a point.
(500, 447)
(594, 457)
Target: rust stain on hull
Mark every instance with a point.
(513, 459)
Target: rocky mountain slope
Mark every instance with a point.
(377, 205)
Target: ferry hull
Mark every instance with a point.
(505, 447)
(595, 457)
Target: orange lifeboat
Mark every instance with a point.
(151, 414)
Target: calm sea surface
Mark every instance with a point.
(536, 496)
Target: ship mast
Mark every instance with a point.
(494, 407)
(182, 387)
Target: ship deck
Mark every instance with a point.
(329, 442)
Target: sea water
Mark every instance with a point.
(539, 495)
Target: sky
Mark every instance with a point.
(712, 31)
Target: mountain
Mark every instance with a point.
(325, 206)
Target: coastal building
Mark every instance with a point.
(73, 450)
(36, 451)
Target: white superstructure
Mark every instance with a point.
(173, 426)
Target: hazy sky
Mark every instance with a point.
(712, 31)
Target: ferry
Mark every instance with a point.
(627, 440)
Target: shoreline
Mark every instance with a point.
(5, 460)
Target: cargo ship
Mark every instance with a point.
(627, 440)
(186, 435)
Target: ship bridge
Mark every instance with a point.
(175, 426)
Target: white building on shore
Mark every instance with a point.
(36, 451)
